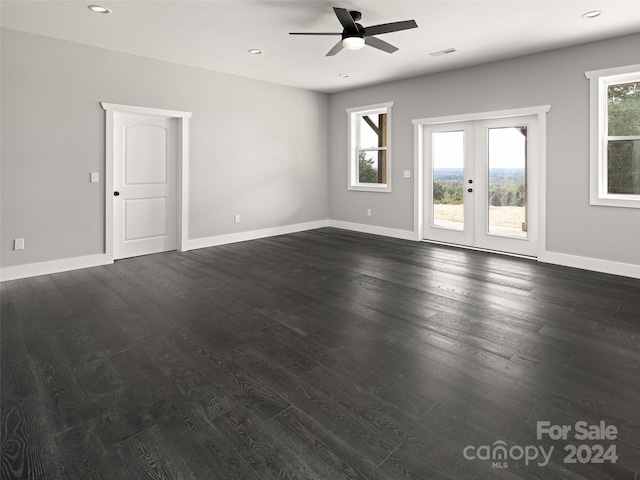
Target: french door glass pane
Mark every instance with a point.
(507, 186)
(448, 177)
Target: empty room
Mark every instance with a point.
(290, 239)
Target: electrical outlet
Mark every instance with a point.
(95, 177)
(236, 219)
(18, 244)
(368, 212)
(407, 174)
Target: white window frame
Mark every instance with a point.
(354, 115)
(599, 81)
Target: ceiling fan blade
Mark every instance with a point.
(314, 33)
(345, 19)
(336, 48)
(390, 27)
(380, 44)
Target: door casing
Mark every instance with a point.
(182, 177)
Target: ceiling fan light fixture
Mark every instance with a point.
(353, 43)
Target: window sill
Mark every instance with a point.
(379, 188)
(624, 201)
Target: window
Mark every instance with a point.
(615, 136)
(369, 148)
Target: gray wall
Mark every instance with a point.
(556, 78)
(257, 149)
(275, 155)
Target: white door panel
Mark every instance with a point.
(145, 155)
(145, 218)
(145, 167)
(506, 145)
(448, 216)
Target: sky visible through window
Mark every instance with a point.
(506, 149)
(368, 138)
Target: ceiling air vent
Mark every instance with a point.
(443, 52)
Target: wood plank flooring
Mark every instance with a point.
(318, 355)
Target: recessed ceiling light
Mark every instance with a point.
(592, 14)
(343, 75)
(255, 51)
(99, 9)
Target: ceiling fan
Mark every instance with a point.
(355, 36)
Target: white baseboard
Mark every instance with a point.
(594, 264)
(585, 263)
(52, 266)
(63, 265)
(384, 231)
(75, 263)
(253, 234)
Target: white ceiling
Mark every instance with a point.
(217, 35)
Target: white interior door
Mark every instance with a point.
(480, 183)
(144, 184)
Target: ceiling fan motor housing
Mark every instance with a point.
(357, 16)
(356, 34)
(359, 33)
(353, 39)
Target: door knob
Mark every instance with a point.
(115, 194)
(470, 181)
(469, 190)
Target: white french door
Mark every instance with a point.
(481, 184)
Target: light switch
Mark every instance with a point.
(407, 174)
(95, 177)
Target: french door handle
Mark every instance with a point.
(115, 194)
(469, 190)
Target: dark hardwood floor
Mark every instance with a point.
(319, 355)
